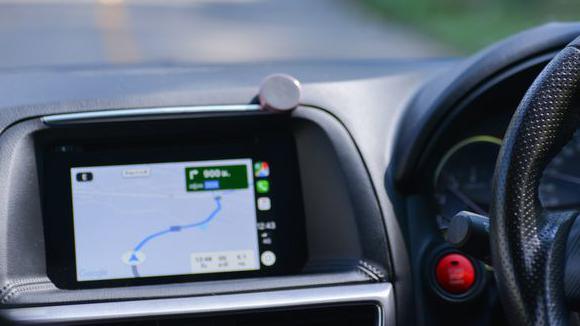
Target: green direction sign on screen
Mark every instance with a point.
(216, 178)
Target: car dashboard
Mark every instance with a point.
(171, 195)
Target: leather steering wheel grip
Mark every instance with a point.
(528, 244)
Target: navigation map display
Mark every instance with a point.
(165, 219)
(171, 208)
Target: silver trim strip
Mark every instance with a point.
(379, 293)
(145, 113)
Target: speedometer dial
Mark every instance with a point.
(560, 185)
(463, 178)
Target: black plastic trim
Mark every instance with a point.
(321, 139)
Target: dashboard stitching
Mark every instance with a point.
(12, 289)
(371, 271)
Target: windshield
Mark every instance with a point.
(91, 32)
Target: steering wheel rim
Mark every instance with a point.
(528, 244)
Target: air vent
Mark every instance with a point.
(355, 315)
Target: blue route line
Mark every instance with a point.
(177, 228)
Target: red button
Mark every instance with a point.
(455, 273)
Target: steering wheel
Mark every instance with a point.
(535, 255)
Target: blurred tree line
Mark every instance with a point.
(469, 25)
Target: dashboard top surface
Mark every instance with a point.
(54, 84)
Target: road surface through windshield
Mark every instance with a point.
(87, 32)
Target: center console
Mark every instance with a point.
(167, 215)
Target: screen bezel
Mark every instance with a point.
(275, 146)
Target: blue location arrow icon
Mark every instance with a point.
(134, 258)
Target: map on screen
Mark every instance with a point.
(164, 219)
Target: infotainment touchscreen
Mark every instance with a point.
(164, 211)
(167, 219)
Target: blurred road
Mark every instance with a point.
(81, 32)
